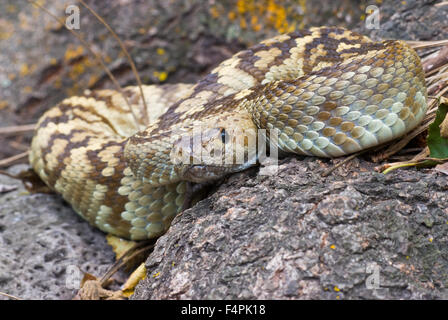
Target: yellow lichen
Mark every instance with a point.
(108, 59)
(3, 104)
(73, 52)
(281, 15)
(160, 75)
(77, 70)
(24, 69)
(27, 89)
(214, 12)
(243, 24)
(6, 29)
(256, 26)
(92, 80)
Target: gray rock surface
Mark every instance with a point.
(296, 235)
(410, 20)
(44, 245)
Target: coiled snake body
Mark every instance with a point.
(328, 91)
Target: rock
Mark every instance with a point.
(409, 20)
(45, 246)
(356, 234)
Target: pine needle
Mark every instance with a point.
(6, 162)
(426, 44)
(17, 129)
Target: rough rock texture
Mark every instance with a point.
(410, 20)
(297, 235)
(44, 246)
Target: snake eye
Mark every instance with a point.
(223, 135)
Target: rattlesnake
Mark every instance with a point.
(328, 92)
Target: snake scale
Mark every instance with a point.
(328, 91)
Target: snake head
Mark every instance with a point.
(211, 153)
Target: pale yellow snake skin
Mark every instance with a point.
(329, 91)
